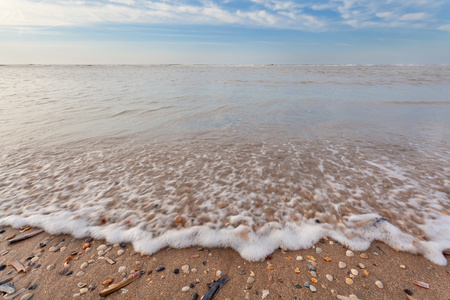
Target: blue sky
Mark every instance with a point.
(225, 32)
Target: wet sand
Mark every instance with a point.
(282, 281)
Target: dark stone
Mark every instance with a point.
(409, 292)
(91, 287)
(2, 267)
(191, 285)
(204, 263)
(311, 267)
(88, 240)
(33, 286)
(122, 245)
(160, 268)
(37, 266)
(317, 221)
(307, 284)
(242, 272)
(375, 265)
(176, 271)
(200, 249)
(194, 296)
(298, 286)
(68, 273)
(2, 231)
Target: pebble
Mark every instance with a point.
(122, 245)
(264, 294)
(50, 267)
(270, 267)
(318, 250)
(83, 265)
(348, 281)
(297, 271)
(81, 284)
(102, 247)
(2, 267)
(122, 269)
(252, 274)
(120, 252)
(76, 295)
(354, 272)
(379, 284)
(403, 266)
(364, 255)
(81, 273)
(283, 247)
(349, 253)
(107, 281)
(299, 258)
(250, 280)
(54, 249)
(91, 261)
(178, 219)
(342, 265)
(329, 277)
(194, 270)
(186, 269)
(85, 246)
(311, 267)
(313, 274)
(218, 273)
(313, 288)
(362, 266)
(160, 268)
(376, 253)
(242, 272)
(176, 271)
(307, 284)
(83, 291)
(185, 289)
(35, 259)
(27, 296)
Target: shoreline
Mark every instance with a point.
(283, 276)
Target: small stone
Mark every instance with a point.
(160, 268)
(334, 293)
(365, 272)
(102, 247)
(85, 246)
(27, 296)
(251, 280)
(194, 270)
(252, 274)
(376, 253)
(107, 281)
(318, 250)
(408, 292)
(218, 273)
(109, 261)
(50, 267)
(264, 294)
(63, 249)
(349, 253)
(81, 273)
(283, 247)
(364, 255)
(342, 265)
(311, 267)
(122, 269)
(81, 284)
(76, 295)
(362, 266)
(185, 289)
(270, 267)
(379, 284)
(35, 259)
(242, 272)
(120, 252)
(91, 287)
(176, 271)
(327, 259)
(403, 266)
(84, 291)
(297, 271)
(298, 286)
(54, 249)
(178, 219)
(348, 281)
(307, 284)
(101, 252)
(83, 265)
(354, 272)
(299, 258)
(329, 277)
(312, 288)
(186, 269)
(313, 274)
(91, 261)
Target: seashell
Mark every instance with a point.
(348, 281)
(107, 281)
(379, 284)
(270, 267)
(421, 284)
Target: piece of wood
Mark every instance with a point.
(216, 287)
(24, 237)
(121, 284)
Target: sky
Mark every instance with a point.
(225, 32)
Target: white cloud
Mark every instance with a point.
(413, 17)
(445, 27)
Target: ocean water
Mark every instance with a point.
(247, 157)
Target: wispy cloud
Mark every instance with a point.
(308, 15)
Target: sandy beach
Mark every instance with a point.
(380, 272)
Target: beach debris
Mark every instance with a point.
(27, 296)
(120, 252)
(362, 266)
(409, 292)
(365, 220)
(421, 284)
(270, 267)
(379, 284)
(250, 280)
(242, 272)
(307, 284)
(194, 296)
(17, 265)
(8, 288)
(297, 271)
(4, 252)
(299, 258)
(313, 274)
(216, 287)
(318, 250)
(364, 255)
(252, 274)
(2, 267)
(402, 266)
(65, 272)
(85, 246)
(33, 286)
(366, 272)
(349, 253)
(218, 273)
(311, 267)
(342, 265)
(329, 277)
(310, 257)
(178, 219)
(354, 272)
(84, 291)
(83, 265)
(2, 231)
(81, 273)
(349, 281)
(102, 247)
(327, 259)
(185, 289)
(50, 267)
(121, 284)
(110, 261)
(312, 288)
(24, 237)
(10, 237)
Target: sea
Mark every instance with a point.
(248, 157)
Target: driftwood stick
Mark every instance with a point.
(24, 237)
